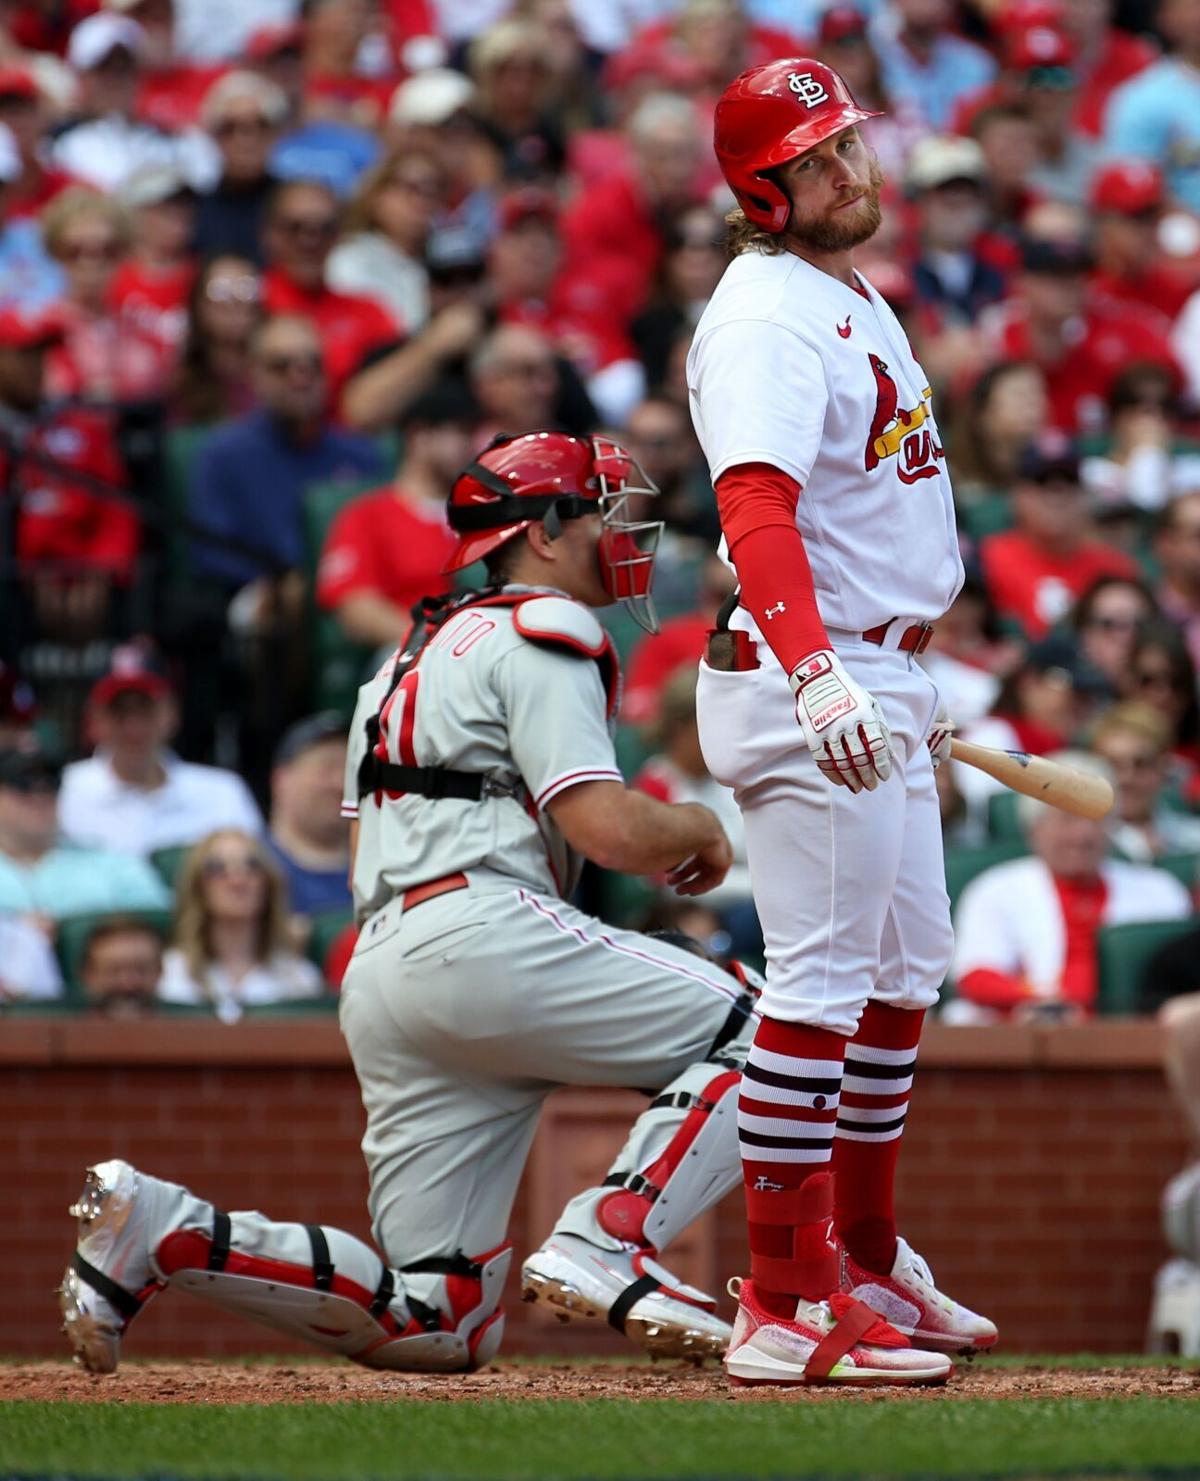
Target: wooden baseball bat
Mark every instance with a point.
(1065, 787)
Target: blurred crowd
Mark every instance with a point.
(270, 273)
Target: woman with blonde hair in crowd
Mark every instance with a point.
(381, 254)
(230, 945)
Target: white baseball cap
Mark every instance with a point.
(936, 161)
(96, 38)
(430, 98)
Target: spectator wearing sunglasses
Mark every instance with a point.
(243, 114)
(302, 226)
(43, 878)
(230, 945)
(1163, 673)
(135, 794)
(224, 307)
(250, 476)
(1106, 620)
(1135, 740)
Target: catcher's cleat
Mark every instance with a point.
(630, 1290)
(109, 1278)
(911, 1302)
(838, 1341)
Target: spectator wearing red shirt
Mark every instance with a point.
(1080, 341)
(615, 232)
(679, 644)
(172, 88)
(525, 269)
(1105, 56)
(104, 357)
(1037, 571)
(301, 228)
(1127, 199)
(389, 548)
(150, 288)
(23, 109)
(64, 528)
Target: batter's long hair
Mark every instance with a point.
(744, 236)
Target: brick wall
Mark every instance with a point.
(1030, 1176)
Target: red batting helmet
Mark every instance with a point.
(769, 115)
(554, 477)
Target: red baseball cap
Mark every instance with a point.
(841, 23)
(132, 669)
(528, 204)
(1039, 46)
(26, 329)
(1128, 187)
(269, 41)
(18, 82)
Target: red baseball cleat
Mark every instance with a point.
(910, 1301)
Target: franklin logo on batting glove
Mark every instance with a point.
(842, 724)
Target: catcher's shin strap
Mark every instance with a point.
(222, 1233)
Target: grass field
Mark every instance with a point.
(1015, 1433)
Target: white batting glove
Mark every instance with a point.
(941, 731)
(842, 723)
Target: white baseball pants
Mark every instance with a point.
(850, 889)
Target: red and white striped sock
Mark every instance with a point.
(880, 1062)
(787, 1110)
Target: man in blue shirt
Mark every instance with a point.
(924, 62)
(45, 880)
(307, 834)
(250, 476)
(1156, 115)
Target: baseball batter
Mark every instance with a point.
(835, 502)
(481, 773)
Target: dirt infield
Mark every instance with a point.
(203, 1382)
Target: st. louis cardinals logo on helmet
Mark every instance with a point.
(904, 433)
(807, 88)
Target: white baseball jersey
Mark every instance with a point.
(511, 693)
(791, 367)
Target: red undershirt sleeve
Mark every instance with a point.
(992, 989)
(757, 504)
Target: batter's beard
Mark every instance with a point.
(844, 229)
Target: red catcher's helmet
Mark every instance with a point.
(554, 477)
(769, 115)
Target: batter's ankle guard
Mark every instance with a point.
(811, 1267)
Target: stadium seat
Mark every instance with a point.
(963, 864)
(339, 663)
(1182, 866)
(294, 1008)
(1123, 953)
(990, 515)
(327, 926)
(74, 931)
(169, 861)
(1003, 825)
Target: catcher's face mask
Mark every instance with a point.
(628, 543)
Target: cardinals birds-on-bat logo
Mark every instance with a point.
(899, 430)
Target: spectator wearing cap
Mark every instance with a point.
(385, 231)
(946, 180)
(151, 286)
(55, 456)
(302, 226)
(249, 478)
(134, 794)
(23, 111)
(1046, 83)
(1156, 115)
(844, 43)
(230, 947)
(1135, 741)
(42, 876)
(108, 142)
(614, 232)
(925, 62)
(29, 277)
(307, 835)
(121, 968)
(104, 356)
(1080, 341)
(1127, 200)
(243, 114)
(525, 271)
(431, 113)
(387, 549)
(1025, 931)
(1036, 571)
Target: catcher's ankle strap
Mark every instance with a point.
(853, 1322)
(117, 1296)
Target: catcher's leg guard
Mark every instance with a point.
(327, 1287)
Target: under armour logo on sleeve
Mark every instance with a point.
(807, 89)
(775, 610)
